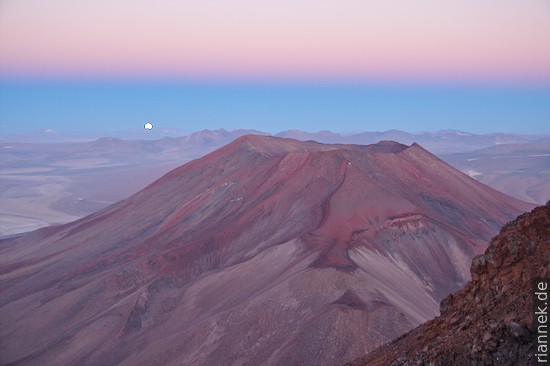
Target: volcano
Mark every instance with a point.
(267, 251)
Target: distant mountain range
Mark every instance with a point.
(267, 251)
(439, 142)
(520, 170)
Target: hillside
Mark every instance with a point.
(267, 251)
(490, 321)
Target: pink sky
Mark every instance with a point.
(414, 40)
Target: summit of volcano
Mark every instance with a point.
(266, 251)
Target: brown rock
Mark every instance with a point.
(494, 329)
(487, 336)
(486, 359)
(520, 333)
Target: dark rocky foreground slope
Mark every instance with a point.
(490, 321)
(267, 251)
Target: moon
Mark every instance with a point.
(148, 126)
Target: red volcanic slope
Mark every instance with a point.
(267, 251)
(489, 321)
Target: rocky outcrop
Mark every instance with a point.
(490, 321)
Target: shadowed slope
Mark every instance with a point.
(490, 321)
(266, 251)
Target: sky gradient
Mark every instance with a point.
(350, 39)
(454, 59)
